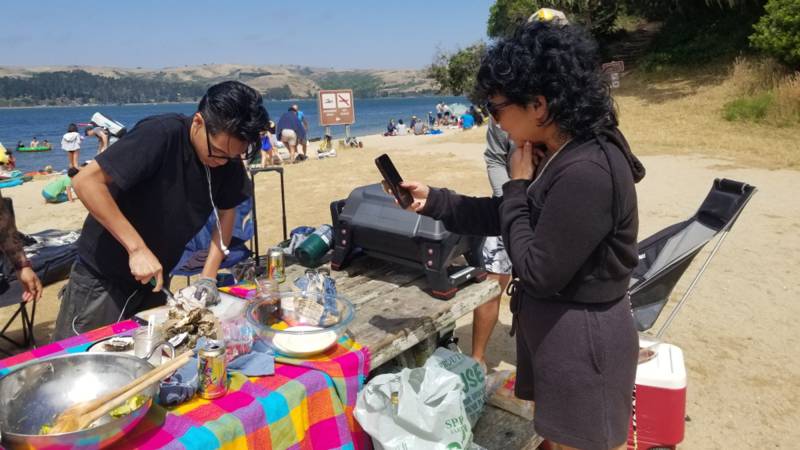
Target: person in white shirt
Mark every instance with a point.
(71, 143)
(402, 129)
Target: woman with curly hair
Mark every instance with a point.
(570, 220)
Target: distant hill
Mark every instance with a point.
(63, 85)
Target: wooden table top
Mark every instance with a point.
(393, 312)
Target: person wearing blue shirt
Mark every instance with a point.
(467, 121)
(302, 142)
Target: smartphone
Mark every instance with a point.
(393, 179)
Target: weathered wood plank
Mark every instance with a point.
(393, 323)
(393, 311)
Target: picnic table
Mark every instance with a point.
(393, 313)
(307, 403)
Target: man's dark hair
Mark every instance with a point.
(558, 62)
(234, 108)
(72, 171)
(72, 128)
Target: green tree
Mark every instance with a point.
(777, 33)
(455, 73)
(364, 85)
(596, 15)
(279, 93)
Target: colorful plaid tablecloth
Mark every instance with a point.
(307, 404)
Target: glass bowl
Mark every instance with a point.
(302, 326)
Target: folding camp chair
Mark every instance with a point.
(245, 229)
(665, 256)
(51, 253)
(253, 172)
(196, 251)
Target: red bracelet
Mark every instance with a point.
(23, 265)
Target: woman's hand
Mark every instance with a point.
(31, 286)
(419, 192)
(524, 160)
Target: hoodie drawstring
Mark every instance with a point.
(511, 291)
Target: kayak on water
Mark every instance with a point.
(34, 149)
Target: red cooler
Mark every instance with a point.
(660, 398)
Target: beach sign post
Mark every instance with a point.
(612, 70)
(336, 107)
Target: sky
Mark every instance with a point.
(341, 34)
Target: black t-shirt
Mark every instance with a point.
(160, 186)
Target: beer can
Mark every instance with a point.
(276, 265)
(211, 370)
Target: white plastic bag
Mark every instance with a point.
(471, 376)
(416, 409)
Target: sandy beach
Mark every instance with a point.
(737, 330)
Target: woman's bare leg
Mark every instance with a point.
(484, 318)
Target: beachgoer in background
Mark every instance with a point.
(11, 161)
(147, 196)
(413, 122)
(467, 121)
(302, 142)
(268, 150)
(12, 248)
(47, 144)
(401, 128)
(71, 143)
(100, 134)
(20, 145)
(431, 119)
(289, 131)
(391, 128)
(34, 143)
(60, 190)
(439, 113)
(420, 128)
(446, 113)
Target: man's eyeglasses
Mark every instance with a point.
(494, 108)
(213, 153)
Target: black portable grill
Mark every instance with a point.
(370, 221)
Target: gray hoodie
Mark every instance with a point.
(498, 148)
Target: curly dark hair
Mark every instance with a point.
(234, 108)
(558, 62)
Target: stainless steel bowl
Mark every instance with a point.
(35, 393)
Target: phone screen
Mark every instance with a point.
(393, 178)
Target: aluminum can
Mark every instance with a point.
(211, 370)
(276, 265)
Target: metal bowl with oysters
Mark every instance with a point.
(34, 394)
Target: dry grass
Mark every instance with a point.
(786, 106)
(681, 113)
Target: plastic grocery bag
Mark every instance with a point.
(471, 376)
(416, 409)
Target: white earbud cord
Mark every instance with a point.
(222, 245)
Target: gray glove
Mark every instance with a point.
(206, 291)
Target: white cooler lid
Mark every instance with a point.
(666, 370)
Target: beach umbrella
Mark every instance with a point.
(458, 108)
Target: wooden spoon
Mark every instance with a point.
(81, 415)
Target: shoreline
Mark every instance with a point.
(87, 105)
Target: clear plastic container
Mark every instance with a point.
(305, 328)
